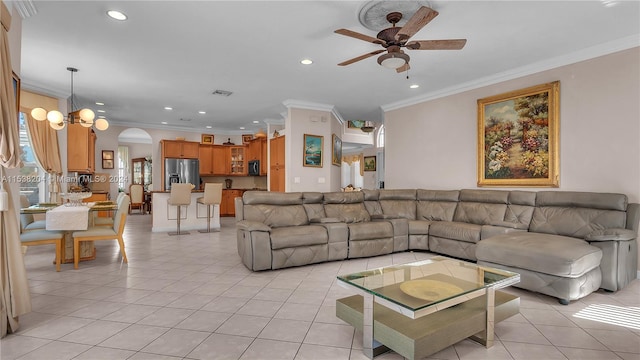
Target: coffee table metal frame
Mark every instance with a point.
(371, 293)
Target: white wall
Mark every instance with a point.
(433, 144)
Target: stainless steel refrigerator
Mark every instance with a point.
(181, 171)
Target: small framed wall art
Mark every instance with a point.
(246, 138)
(107, 159)
(313, 149)
(207, 139)
(369, 163)
(336, 150)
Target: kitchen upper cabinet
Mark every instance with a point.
(220, 156)
(178, 149)
(277, 167)
(237, 160)
(206, 160)
(257, 150)
(81, 149)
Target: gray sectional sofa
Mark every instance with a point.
(563, 244)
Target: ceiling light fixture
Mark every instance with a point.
(209, 126)
(368, 127)
(306, 61)
(100, 103)
(163, 122)
(414, 86)
(202, 112)
(117, 15)
(393, 60)
(83, 117)
(168, 108)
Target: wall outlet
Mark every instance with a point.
(321, 180)
(296, 180)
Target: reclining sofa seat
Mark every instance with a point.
(274, 231)
(478, 215)
(397, 207)
(366, 237)
(577, 242)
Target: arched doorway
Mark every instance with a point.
(135, 158)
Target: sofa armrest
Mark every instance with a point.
(252, 226)
(611, 234)
(510, 225)
(324, 220)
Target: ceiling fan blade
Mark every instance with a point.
(421, 18)
(361, 57)
(403, 68)
(452, 44)
(360, 36)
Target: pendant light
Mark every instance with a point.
(83, 117)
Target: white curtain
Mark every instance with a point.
(15, 298)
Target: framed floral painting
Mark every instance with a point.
(518, 137)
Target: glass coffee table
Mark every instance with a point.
(425, 306)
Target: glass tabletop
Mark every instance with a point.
(424, 283)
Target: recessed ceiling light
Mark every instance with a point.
(168, 108)
(202, 112)
(100, 116)
(115, 14)
(164, 123)
(101, 111)
(256, 122)
(306, 61)
(241, 127)
(209, 126)
(414, 86)
(100, 103)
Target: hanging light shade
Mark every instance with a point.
(368, 126)
(83, 117)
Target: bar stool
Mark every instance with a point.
(180, 195)
(212, 196)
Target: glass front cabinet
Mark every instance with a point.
(141, 172)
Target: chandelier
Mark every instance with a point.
(368, 127)
(83, 117)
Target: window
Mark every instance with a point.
(380, 138)
(31, 179)
(123, 167)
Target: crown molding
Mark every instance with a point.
(291, 103)
(38, 89)
(567, 59)
(26, 8)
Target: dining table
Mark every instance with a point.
(69, 218)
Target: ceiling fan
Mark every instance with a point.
(394, 38)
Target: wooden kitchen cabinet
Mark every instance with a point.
(227, 205)
(81, 149)
(277, 166)
(206, 160)
(178, 149)
(99, 197)
(257, 150)
(226, 160)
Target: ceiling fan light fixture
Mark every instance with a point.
(393, 60)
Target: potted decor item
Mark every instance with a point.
(228, 183)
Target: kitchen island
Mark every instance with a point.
(193, 216)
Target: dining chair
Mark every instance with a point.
(27, 221)
(44, 237)
(212, 196)
(96, 233)
(108, 221)
(136, 192)
(180, 195)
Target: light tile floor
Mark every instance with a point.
(189, 297)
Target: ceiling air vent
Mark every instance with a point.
(222, 92)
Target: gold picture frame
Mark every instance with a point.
(246, 138)
(370, 163)
(518, 137)
(313, 150)
(336, 150)
(206, 139)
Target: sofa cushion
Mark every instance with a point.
(293, 236)
(349, 213)
(419, 227)
(549, 254)
(276, 215)
(574, 221)
(436, 205)
(456, 231)
(370, 230)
